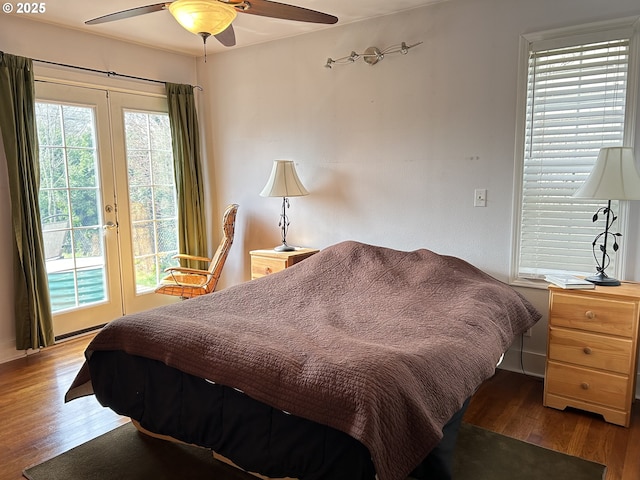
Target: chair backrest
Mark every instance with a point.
(55, 229)
(217, 262)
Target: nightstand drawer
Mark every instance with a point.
(590, 386)
(613, 317)
(268, 261)
(261, 266)
(589, 350)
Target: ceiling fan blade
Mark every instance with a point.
(267, 8)
(132, 12)
(227, 37)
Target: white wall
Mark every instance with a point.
(391, 153)
(40, 41)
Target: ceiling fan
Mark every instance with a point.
(214, 17)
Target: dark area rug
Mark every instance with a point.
(124, 454)
(484, 455)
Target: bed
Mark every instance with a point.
(354, 364)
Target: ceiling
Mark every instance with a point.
(160, 30)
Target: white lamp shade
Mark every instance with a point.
(202, 16)
(283, 181)
(614, 176)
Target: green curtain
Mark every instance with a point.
(185, 138)
(34, 325)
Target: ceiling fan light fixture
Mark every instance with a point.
(203, 16)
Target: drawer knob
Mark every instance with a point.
(584, 386)
(267, 270)
(587, 350)
(590, 315)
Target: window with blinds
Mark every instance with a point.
(575, 105)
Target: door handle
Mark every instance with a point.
(110, 226)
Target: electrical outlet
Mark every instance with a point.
(527, 333)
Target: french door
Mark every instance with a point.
(107, 202)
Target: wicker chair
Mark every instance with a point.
(190, 282)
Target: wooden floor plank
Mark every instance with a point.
(36, 424)
(631, 467)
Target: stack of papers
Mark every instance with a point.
(569, 281)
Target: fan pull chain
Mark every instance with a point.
(204, 36)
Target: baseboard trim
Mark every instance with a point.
(8, 352)
(529, 363)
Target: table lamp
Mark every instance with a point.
(614, 177)
(284, 182)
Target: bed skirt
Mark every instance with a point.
(248, 434)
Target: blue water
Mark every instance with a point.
(91, 288)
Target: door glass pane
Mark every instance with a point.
(152, 196)
(70, 209)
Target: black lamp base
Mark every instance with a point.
(603, 280)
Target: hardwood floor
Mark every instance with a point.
(36, 424)
(511, 404)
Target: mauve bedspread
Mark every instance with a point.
(382, 344)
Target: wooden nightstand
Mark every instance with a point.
(265, 262)
(592, 350)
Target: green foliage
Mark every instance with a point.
(70, 186)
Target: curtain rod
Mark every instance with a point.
(105, 72)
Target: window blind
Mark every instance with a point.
(575, 105)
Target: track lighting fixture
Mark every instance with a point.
(371, 55)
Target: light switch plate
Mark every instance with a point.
(480, 197)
